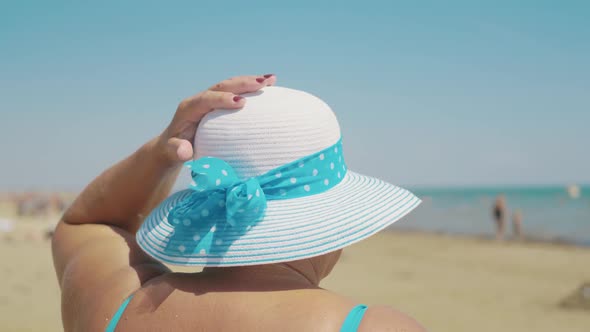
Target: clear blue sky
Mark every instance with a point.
(488, 94)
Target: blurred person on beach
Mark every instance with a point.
(32, 204)
(499, 215)
(107, 278)
(517, 224)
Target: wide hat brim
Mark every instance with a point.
(291, 229)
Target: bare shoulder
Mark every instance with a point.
(329, 311)
(97, 267)
(384, 318)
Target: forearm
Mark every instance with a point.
(126, 192)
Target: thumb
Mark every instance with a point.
(179, 149)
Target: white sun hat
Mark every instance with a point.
(270, 185)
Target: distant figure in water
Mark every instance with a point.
(499, 214)
(517, 224)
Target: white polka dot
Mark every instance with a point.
(213, 229)
(218, 242)
(283, 192)
(205, 212)
(189, 166)
(301, 164)
(336, 149)
(315, 172)
(326, 182)
(249, 196)
(241, 211)
(206, 166)
(293, 180)
(197, 237)
(257, 192)
(175, 221)
(278, 175)
(224, 172)
(217, 182)
(306, 188)
(322, 156)
(186, 222)
(193, 183)
(340, 159)
(339, 175)
(331, 165)
(181, 248)
(202, 252)
(221, 203)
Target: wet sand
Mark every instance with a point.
(447, 283)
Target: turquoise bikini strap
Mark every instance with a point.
(354, 318)
(113, 323)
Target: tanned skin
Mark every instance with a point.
(99, 264)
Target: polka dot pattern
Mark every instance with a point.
(291, 229)
(303, 219)
(308, 176)
(219, 199)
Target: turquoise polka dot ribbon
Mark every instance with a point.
(220, 199)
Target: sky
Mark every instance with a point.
(429, 93)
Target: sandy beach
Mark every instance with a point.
(448, 283)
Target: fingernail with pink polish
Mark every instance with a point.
(260, 79)
(238, 98)
(268, 75)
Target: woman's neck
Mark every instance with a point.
(280, 274)
(304, 273)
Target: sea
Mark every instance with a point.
(556, 213)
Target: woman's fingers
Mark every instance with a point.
(224, 95)
(210, 100)
(194, 108)
(271, 79)
(244, 84)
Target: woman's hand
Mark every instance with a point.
(176, 142)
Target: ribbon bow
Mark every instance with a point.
(219, 194)
(219, 197)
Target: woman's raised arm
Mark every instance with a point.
(126, 192)
(97, 261)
